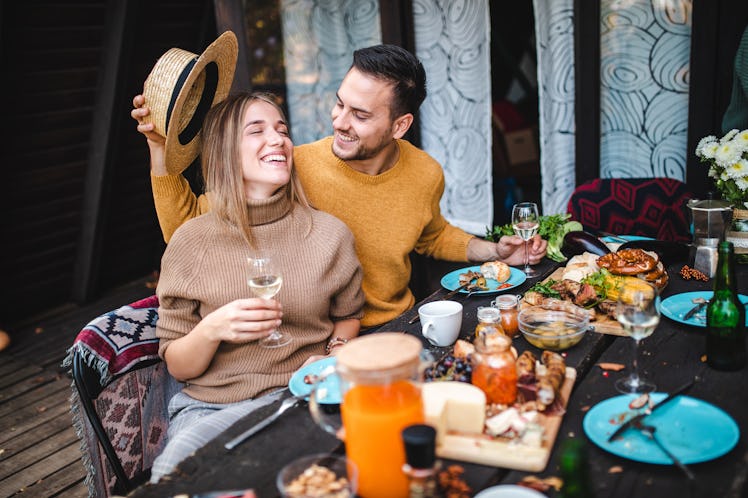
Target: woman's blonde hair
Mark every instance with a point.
(222, 165)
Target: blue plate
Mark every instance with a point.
(675, 307)
(451, 280)
(331, 385)
(693, 430)
(627, 238)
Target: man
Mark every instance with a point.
(386, 190)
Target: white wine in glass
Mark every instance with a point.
(526, 221)
(638, 312)
(265, 281)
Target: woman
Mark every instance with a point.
(208, 329)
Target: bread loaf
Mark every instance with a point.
(496, 270)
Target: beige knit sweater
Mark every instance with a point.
(205, 267)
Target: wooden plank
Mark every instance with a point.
(38, 396)
(29, 418)
(20, 459)
(30, 439)
(22, 380)
(68, 482)
(103, 130)
(587, 89)
(64, 456)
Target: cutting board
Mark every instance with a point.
(507, 453)
(602, 323)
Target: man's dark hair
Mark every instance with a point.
(399, 67)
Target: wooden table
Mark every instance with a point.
(670, 356)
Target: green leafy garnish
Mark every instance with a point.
(552, 228)
(545, 289)
(600, 281)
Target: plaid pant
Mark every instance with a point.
(193, 423)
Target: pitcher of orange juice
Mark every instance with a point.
(378, 377)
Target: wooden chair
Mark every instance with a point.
(649, 207)
(121, 390)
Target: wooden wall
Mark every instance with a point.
(77, 212)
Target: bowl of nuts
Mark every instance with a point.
(322, 475)
(552, 329)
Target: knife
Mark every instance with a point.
(695, 310)
(446, 296)
(285, 405)
(637, 418)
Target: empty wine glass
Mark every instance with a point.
(265, 281)
(526, 221)
(638, 312)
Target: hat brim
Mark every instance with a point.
(203, 83)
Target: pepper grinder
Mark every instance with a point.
(421, 465)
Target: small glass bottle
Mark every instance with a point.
(725, 317)
(495, 369)
(421, 465)
(508, 305)
(489, 321)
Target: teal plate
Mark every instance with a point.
(331, 385)
(675, 307)
(693, 430)
(451, 280)
(627, 238)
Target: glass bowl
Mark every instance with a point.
(552, 329)
(322, 475)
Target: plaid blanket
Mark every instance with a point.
(122, 347)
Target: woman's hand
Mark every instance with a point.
(242, 321)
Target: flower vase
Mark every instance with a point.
(738, 234)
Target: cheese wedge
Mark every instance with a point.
(454, 406)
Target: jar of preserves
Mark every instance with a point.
(489, 321)
(495, 369)
(508, 305)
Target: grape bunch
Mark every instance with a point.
(450, 368)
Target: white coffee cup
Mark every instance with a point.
(441, 322)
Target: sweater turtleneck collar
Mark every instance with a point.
(264, 211)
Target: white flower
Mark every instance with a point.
(737, 170)
(742, 183)
(709, 150)
(741, 140)
(727, 154)
(704, 142)
(728, 136)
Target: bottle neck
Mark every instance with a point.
(724, 279)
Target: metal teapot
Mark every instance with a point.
(710, 219)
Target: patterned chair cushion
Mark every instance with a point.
(123, 348)
(650, 207)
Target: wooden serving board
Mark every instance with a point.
(602, 323)
(507, 453)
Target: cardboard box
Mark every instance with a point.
(520, 146)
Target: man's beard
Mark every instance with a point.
(360, 153)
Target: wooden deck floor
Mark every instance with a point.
(39, 451)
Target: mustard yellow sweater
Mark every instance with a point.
(390, 215)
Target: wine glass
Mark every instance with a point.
(526, 221)
(265, 281)
(638, 312)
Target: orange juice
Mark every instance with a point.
(373, 417)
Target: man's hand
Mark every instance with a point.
(511, 249)
(156, 143)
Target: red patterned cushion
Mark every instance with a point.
(650, 207)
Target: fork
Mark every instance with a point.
(285, 405)
(649, 431)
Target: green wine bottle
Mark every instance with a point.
(725, 316)
(574, 466)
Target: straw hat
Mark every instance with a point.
(181, 88)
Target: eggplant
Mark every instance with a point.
(579, 242)
(669, 252)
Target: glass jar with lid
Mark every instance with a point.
(495, 369)
(489, 321)
(508, 305)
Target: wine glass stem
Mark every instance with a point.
(527, 256)
(635, 370)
